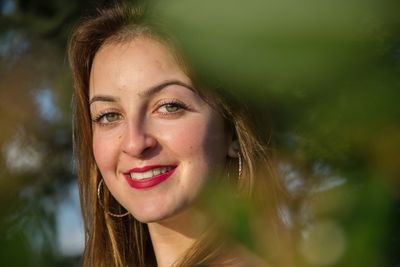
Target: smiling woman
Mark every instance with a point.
(144, 125)
(149, 143)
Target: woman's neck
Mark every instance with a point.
(171, 238)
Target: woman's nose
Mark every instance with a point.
(138, 140)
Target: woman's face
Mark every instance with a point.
(155, 141)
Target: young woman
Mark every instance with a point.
(150, 142)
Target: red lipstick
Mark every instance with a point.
(148, 182)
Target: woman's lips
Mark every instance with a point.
(148, 176)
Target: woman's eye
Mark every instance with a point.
(107, 118)
(111, 117)
(171, 107)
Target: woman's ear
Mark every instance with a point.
(233, 149)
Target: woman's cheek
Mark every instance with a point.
(185, 139)
(104, 153)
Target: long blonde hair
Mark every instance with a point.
(125, 241)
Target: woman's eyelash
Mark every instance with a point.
(102, 115)
(99, 116)
(172, 103)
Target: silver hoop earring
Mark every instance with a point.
(101, 204)
(240, 165)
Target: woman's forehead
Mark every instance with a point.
(142, 62)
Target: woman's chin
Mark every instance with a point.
(159, 216)
(152, 217)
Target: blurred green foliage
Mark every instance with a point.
(36, 152)
(327, 72)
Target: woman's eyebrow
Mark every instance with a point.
(146, 93)
(103, 98)
(157, 88)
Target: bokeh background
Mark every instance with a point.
(326, 74)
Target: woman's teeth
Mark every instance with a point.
(150, 173)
